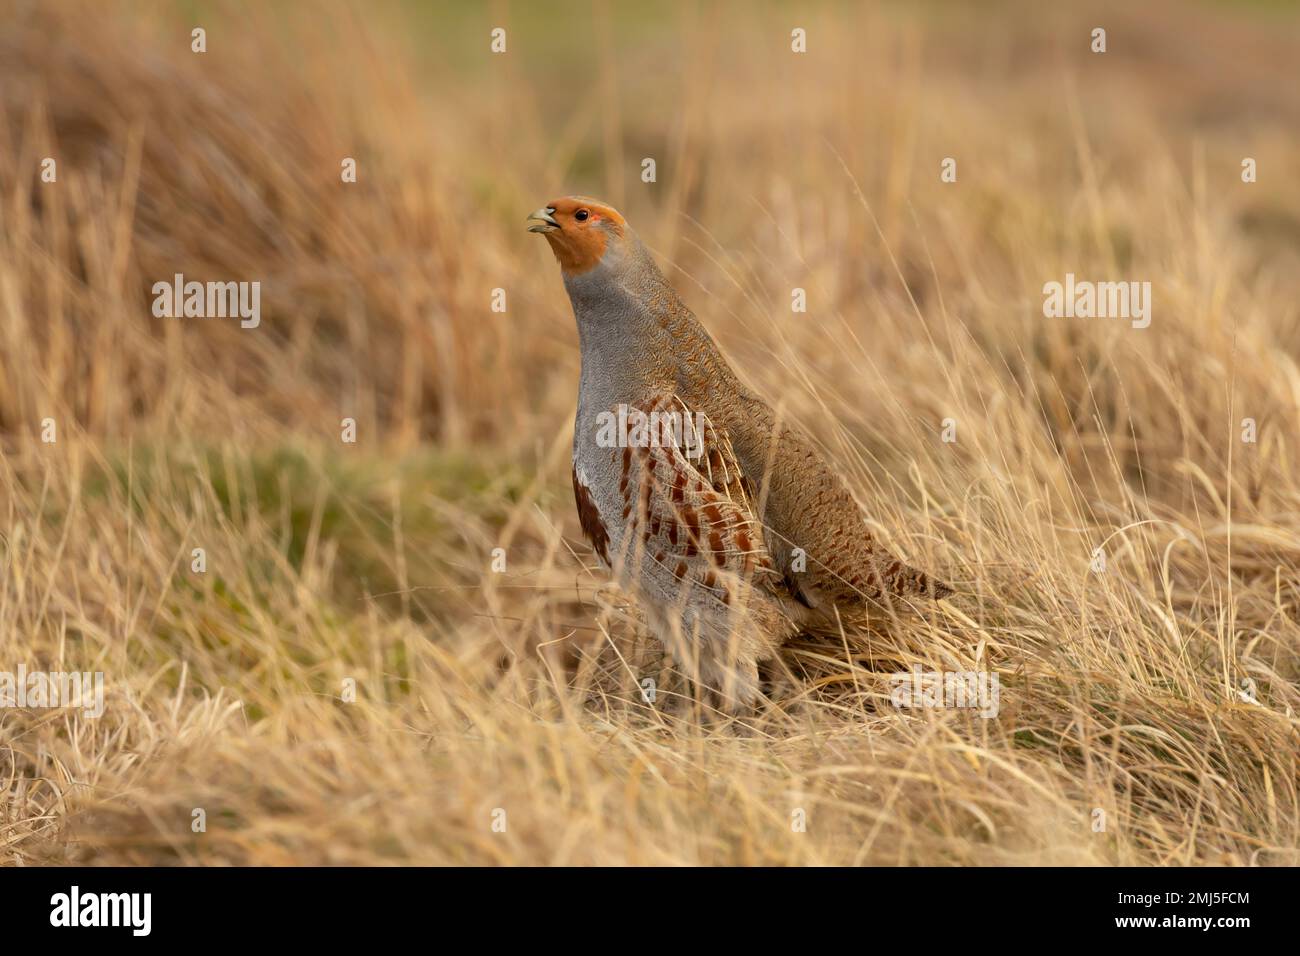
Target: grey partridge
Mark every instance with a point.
(727, 524)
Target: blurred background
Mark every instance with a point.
(226, 165)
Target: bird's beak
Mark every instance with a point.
(542, 220)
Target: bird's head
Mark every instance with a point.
(580, 230)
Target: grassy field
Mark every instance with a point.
(349, 680)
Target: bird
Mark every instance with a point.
(725, 521)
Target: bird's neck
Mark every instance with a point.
(634, 331)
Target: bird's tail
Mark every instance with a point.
(907, 581)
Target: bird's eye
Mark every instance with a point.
(581, 215)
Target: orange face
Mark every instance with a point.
(579, 230)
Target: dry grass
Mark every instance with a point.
(478, 691)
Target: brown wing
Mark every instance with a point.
(815, 530)
(689, 505)
(593, 528)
